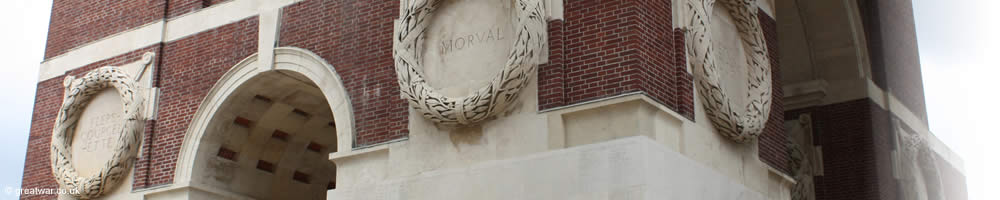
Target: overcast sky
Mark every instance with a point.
(960, 56)
(959, 48)
(22, 43)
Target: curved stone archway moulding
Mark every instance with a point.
(291, 59)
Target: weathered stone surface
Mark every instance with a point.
(467, 44)
(97, 132)
(628, 168)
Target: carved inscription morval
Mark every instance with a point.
(527, 37)
(465, 41)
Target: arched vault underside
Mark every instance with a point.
(265, 131)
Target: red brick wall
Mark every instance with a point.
(845, 131)
(353, 36)
(683, 80)
(771, 144)
(585, 62)
(857, 138)
(901, 57)
(656, 47)
(37, 169)
(213, 2)
(48, 99)
(141, 168)
(181, 7)
(551, 86)
(602, 49)
(892, 47)
(75, 22)
(882, 137)
(189, 68)
(608, 48)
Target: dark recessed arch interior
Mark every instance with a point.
(270, 139)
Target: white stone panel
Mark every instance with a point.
(97, 132)
(111, 46)
(467, 44)
(731, 57)
(628, 168)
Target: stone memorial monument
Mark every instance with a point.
(483, 99)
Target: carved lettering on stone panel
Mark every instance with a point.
(460, 62)
(95, 135)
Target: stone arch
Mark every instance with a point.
(290, 63)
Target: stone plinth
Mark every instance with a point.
(628, 168)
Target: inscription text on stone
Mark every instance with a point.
(465, 41)
(97, 132)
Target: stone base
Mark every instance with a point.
(629, 168)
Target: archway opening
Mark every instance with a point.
(269, 139)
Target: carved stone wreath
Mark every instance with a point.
(503, 89)
(77, 94)
(920, 166)
(717, 102)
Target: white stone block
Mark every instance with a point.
(628, 168)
